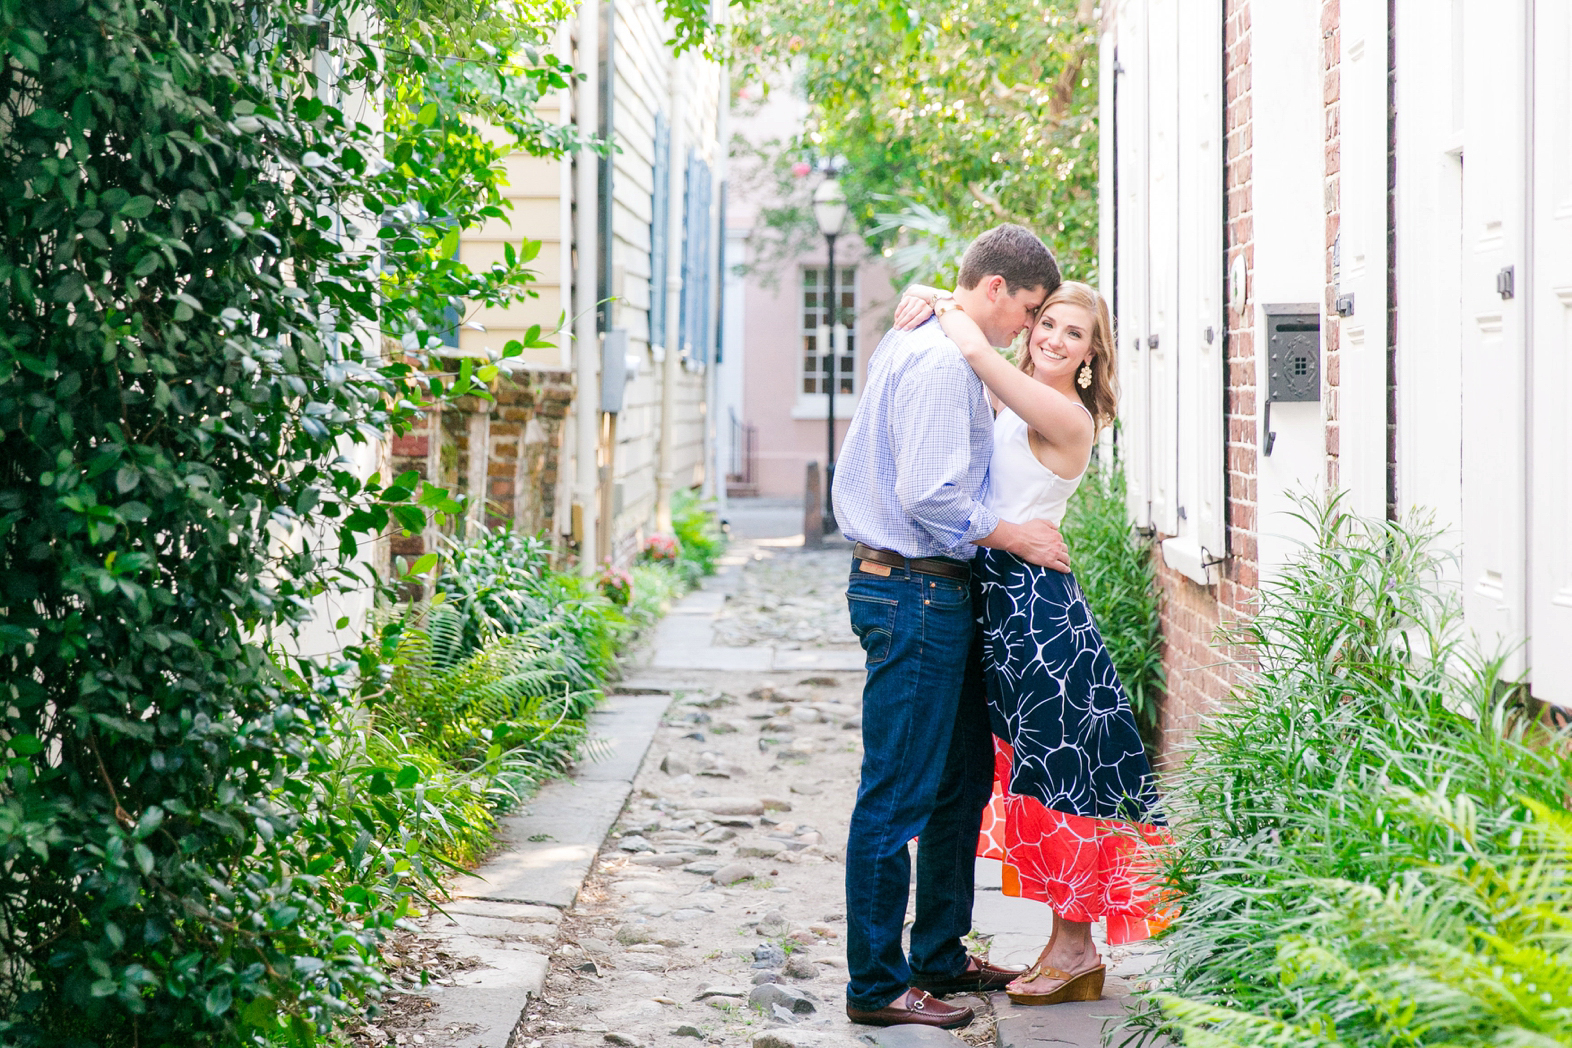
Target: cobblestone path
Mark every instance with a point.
(714, 911)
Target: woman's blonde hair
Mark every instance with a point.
(1102, 396)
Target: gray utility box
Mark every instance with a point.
(1293, 352)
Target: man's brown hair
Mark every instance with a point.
(1014, 253)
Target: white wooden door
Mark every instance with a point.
(1163, 260)
(1130, 129)
(1550, 374)
(1493, 371)
(1199, 538)
(1361, 390)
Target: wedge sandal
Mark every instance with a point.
(1079, 986)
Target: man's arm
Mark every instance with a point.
(931, 441)
(1036, 542)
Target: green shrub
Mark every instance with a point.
(700, 540)
(1362, 832)
(521, 695)
(1114, 566)
(1475, 952)
(500, 583)
(655, 586)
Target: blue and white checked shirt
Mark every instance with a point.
(914, 468)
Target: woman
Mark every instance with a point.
(1074, 798)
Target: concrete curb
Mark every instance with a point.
(507, 912)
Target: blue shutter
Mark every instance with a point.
(696, 260)
(660, 232)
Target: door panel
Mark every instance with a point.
(1550, 462)
(1494, 390)
(1162, 343)
(1200, 538)
(1131, 270)
(1361, 393)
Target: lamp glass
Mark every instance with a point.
(829, 207)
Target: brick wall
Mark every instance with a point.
(1202, 671)
(1331, 57)
(516, 478)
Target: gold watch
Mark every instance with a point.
(944, 305)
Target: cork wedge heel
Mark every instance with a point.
(1079, 986)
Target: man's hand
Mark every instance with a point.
(1036, 542)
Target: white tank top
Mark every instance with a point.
(1020, 487)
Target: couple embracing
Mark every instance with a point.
(988, 687)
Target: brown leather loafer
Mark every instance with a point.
(914, 1008)
(977, 977)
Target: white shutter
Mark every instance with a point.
(1550, 483)
(1162, 333)
(1130, 271)
(1200, 539)
(1361, 391)
(1494, 452)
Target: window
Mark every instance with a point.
(816, 365)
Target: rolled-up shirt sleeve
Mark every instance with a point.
(932, 447)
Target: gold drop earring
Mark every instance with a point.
(1084, 379)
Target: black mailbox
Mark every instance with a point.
(1293, 352)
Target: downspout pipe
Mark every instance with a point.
(715, 471)
(671, 364)
(586, 340)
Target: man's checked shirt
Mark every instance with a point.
(912, 474)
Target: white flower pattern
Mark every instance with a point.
(1075, 802)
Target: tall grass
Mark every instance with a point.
(1372, 838)
(1114, 566)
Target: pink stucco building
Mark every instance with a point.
(778, 401)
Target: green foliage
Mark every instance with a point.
(952, 117)
(1374, 837)
(1475, 952)
(655, 587)
(1114, 567)
(700, 541)
(201, 254)
(499, 584)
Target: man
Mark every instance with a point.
(908, 492)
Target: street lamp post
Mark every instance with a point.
(829, 210)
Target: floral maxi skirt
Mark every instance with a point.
(1075, 811)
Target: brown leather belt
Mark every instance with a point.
(950, 569)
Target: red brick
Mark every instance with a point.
(412, 445)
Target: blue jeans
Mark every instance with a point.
(927, 770)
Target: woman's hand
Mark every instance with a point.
(916, 305)
(912, 312)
